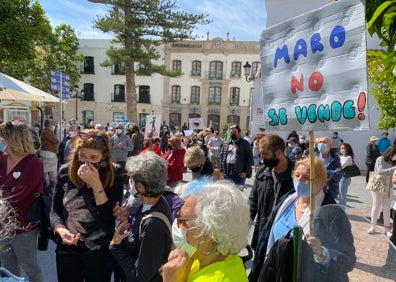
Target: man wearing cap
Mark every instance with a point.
(372, 153)
(295, 151)
(384, 143)
(236, 158)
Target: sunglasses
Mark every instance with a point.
(86, 136)
(183, 220)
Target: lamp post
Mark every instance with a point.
(77, 95)
(248, 69)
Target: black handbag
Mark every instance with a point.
(38, 214)
(351, 171)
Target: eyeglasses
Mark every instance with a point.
(181, 219)
(97, 138)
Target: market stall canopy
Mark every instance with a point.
(11, 87)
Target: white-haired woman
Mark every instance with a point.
(211, 229)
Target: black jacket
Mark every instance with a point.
(262, 196)
(334, 230)
(244, 158)
(372, 154)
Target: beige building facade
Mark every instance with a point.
(212, 85)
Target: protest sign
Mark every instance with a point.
(313, 72)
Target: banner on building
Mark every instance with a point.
(313, 72)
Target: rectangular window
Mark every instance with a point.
(196, 68)
(214, 95)
(88, 92)
(176, 65)
(234, 96)
(174, 119)
(216, 70)
(89, 65)
(118, 69)
(195, 95)
(119, 93)
(236, 69)
(175, 95)
(255, 67)
(144, 94)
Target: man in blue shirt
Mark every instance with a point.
(384, 143)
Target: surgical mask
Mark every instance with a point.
(289, 145)
(180, 239)
(342, 151)
(72, 134)
(302, 140)
(199, 142)
(302, 189)
(132, 188)
(119, 131)
(322, 147)
(2, 146)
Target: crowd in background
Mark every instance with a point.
(114, 192)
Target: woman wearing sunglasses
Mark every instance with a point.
(87, 189)
(210, 230)
(21, 176)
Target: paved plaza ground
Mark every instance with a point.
(371, 250)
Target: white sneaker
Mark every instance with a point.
(388, 233)
(371, 230)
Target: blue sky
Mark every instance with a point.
(243, 19)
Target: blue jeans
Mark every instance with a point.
(343, 189)
(21, 252)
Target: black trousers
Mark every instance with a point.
(88, 266)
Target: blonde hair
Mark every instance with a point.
(19, 138)
(320, 177)
(194, 157)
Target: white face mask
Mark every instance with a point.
(118, 130)
(72, 134)
(199, 142)
(180, 239)
(132, 187)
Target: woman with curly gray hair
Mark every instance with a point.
(211, 229)
(146, 228)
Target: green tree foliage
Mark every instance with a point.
(139, 27)
(381, 17)
(23, 27)
(29, 47)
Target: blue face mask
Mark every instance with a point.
(322, 147)
(342, 151)
(2, 146)
(302, 189)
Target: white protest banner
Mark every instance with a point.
(314, 71)
(153, 127)
(196, 123)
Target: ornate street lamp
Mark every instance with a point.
(248, 69)
(76, 95)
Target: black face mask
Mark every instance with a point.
(96, 165)
(271, 162)
(234, 137)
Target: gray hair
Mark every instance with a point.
(150, 169)
(222, 212)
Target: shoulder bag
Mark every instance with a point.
(352, 170)
(378, 182)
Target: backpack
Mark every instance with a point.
(161, 216)
(279, 264)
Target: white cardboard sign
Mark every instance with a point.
(314, 71)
